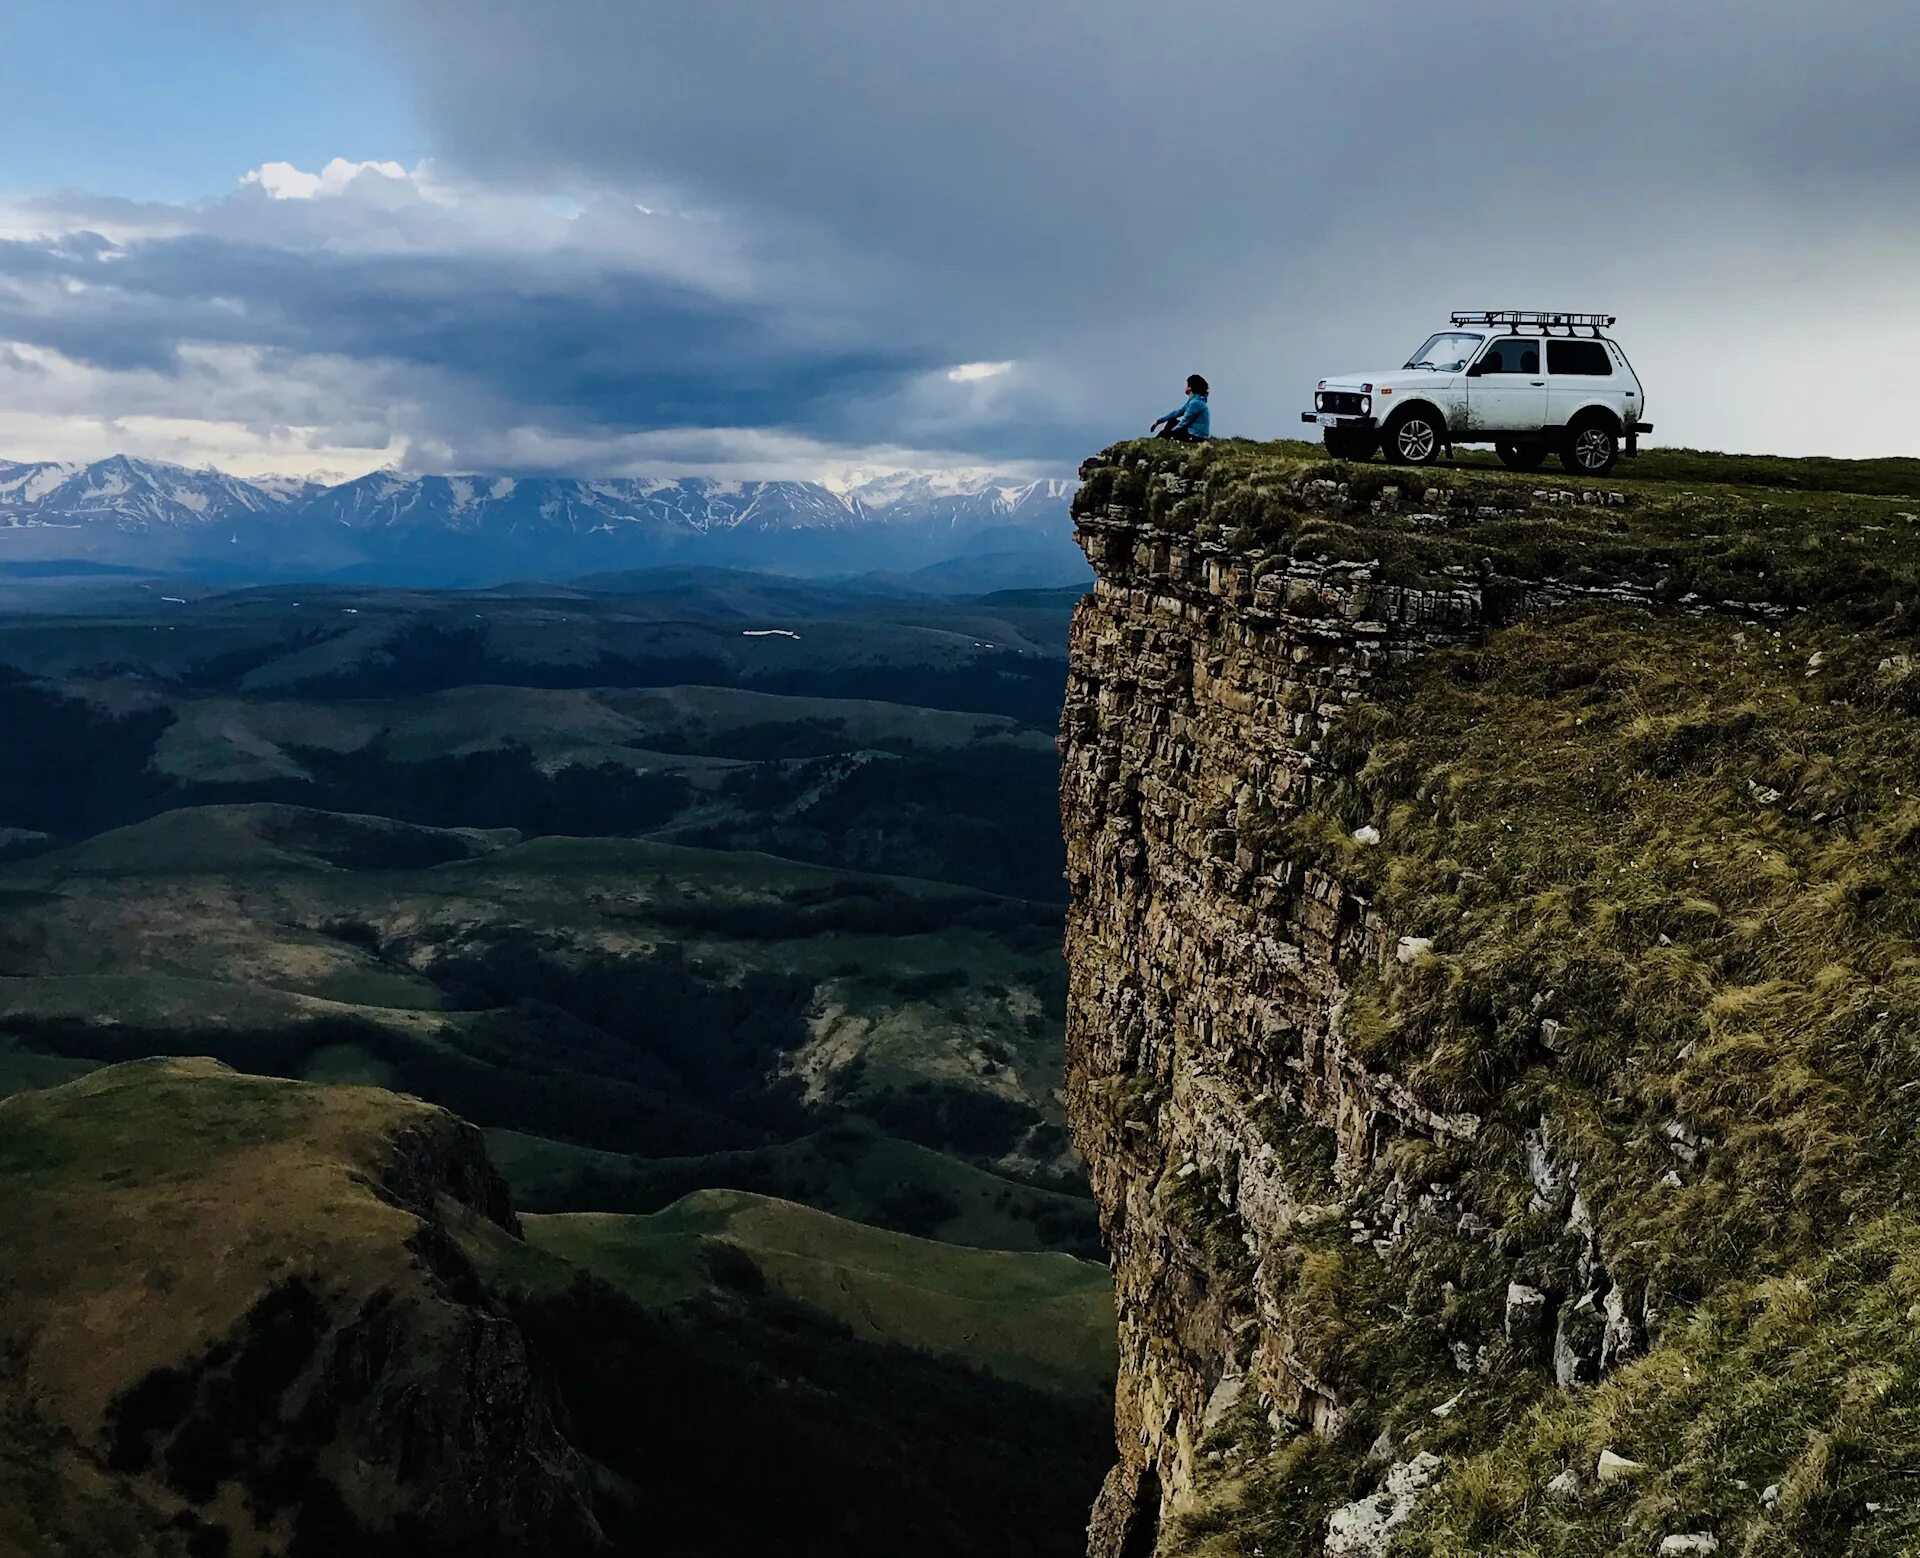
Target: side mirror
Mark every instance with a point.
(1478, 370)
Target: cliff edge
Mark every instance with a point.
(1494, 1024)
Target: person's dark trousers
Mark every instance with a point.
(1179, 435)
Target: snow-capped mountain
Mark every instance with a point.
(935, 489)
(569, 506)
(458, 529)
(131, 494)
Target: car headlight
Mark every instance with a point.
(1366, 404)
(1319, 402)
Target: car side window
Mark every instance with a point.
(1586, 359)
(1514, 354)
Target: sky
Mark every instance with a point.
(749, 238)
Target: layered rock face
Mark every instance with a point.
(1383, 1168)
(1205, 964)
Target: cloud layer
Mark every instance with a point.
(997, 232)
(368, 314)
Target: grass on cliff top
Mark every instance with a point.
(1892, 476)
(1670, 867)
(1690, 845)
(1739, 532)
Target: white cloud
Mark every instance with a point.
(229, 407)
(283, 181)
(256, 414)
(973, 372)
(722, 453)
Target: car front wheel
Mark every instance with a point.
(1517, 456)
(1591, 449)
(1415, 436)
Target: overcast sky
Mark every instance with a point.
(758, 238)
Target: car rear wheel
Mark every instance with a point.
(1517, 456)
(1351, 444)
(1414, 436)
(1591, 448)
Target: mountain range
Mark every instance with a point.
(149, 515)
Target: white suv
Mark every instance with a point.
(1527, 382)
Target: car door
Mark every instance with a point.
(1507, 387)
(1579, 372)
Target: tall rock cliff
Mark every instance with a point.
(1492, 1019)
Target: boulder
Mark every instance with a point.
(1578, 1338)
(1526, 1321)
(1564, 1485)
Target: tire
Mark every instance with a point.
(1591, 448)
(1528, 456)
(1415, 435)
(1345, 445)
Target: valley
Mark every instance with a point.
(721, 911)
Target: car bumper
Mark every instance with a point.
(1634, 430)
(1339, 419)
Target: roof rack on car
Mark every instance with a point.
(1543, 320)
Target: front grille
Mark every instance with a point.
(1345, 402)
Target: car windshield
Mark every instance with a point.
(1446, 352)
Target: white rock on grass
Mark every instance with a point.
(1617, 1340)
(1364, 1528)
(1368, 834)
(1694, 1542)
(1616, 1468)
(1526, 1312)
(1412, 948)
(1565, 1485)
(1225, 1397)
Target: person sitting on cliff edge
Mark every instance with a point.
(1190, 424)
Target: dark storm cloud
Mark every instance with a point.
(792, 221)
(1087, 150)
(631, 352)
(1251, 181)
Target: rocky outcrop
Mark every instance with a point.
(1364, 1528)
(331, 1363)
(1205, 963)
(442, 1155)
(1213, 1086)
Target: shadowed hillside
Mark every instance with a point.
(248, 1316)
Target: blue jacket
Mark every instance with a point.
(1192, 417)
